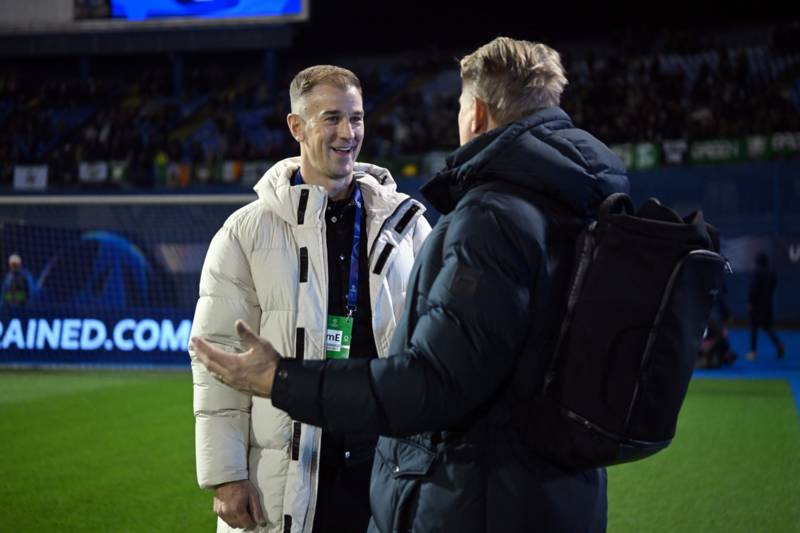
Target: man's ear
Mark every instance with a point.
(295, 123)
(480, 116)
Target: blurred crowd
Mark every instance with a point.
(174, 123)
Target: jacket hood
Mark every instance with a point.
(275, 188)
(544, 152)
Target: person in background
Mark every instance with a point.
(18, 284)
(760, 306)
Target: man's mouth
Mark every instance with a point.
(342, 150)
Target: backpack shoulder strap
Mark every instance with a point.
(616, 203)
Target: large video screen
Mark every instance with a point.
(98, 16)
(137, 10)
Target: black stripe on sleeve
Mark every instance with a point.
(406, 218)
(382, 258)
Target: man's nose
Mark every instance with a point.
(345, 129)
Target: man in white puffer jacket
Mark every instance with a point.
(283, 265)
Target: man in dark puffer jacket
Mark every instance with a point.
(485, 298)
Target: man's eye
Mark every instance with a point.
(357, 120)
(332, 120)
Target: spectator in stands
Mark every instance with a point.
(18, 284)
(301, 252)
(484, 301)
(760, 305)
(684, 86)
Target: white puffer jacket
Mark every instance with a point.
(253, 271)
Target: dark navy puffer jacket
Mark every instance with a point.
(490, 280)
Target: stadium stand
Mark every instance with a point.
(172, 122)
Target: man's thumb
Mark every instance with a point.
(245, 333)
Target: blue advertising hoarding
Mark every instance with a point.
(34, 336)
(97, 297)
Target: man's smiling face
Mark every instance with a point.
(331, 131)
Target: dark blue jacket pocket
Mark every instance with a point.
(396, 477)
(421, 490)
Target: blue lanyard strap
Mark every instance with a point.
(352, 284)
(352, 291)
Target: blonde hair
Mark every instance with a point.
(514, 78)
(305, 81)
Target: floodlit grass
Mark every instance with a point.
(733, 466)
(99, 452)
(114, 451)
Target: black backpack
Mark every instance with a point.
(641, 292)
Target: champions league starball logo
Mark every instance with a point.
(103, 270)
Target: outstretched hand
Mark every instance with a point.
(251, 371)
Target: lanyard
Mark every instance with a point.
(352, 284)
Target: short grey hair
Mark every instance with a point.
(514, 78)
(305, 81)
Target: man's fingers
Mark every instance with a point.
(219, 372)
(241, 520)
(203, 349)
(236, 503)
(236, 515)
(246, 520)
(255, 508)
(246, 334)
(214, 359)
(250, 372)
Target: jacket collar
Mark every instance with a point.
(543, 153)
(282, 198)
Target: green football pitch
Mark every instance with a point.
(114, 451)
